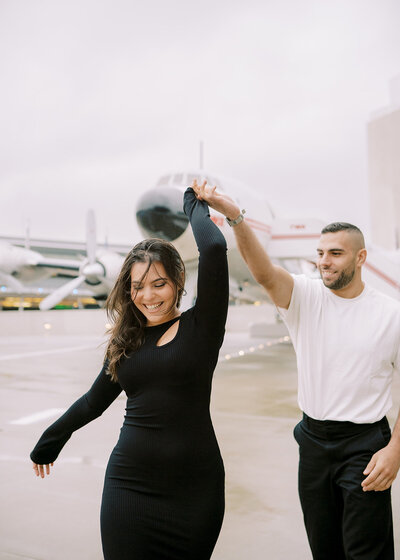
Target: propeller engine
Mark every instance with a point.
(14, 260)
(95, 270)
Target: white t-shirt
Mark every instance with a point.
(347, 350)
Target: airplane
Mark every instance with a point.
(21, 268)
(289, 242)
(159, 213)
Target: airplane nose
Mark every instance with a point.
(159, 213)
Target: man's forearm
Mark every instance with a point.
(253, 253)
(276, 280)
(395, 439)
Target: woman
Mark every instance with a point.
(163, 494)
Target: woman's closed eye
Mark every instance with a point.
(138, 288)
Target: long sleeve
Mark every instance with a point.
(212, 282)
(88, 407)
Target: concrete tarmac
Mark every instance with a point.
(254, 409)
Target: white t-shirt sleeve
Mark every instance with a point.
(300, 294)
(397, 360)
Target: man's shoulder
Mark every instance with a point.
(307, 291)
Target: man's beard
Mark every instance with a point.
(344, 278)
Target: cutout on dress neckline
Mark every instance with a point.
(166, 337)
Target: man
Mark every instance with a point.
(347, 341)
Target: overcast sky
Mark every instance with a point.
(100, 97)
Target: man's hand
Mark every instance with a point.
(382, 469)
(220, 202)
(276, 280)
(41, 469)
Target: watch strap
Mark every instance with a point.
(238, 220)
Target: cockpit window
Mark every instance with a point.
(190, 179)
(187, 179)
(213, 182)
(178, 179)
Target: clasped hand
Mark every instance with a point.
(218, 201)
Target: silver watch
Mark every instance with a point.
(237, 221)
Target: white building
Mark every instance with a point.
(384, 171)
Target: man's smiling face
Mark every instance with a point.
(337, 259)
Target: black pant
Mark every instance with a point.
(342, 521)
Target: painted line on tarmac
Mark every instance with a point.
(16, 556)
(257, 417)
(47, 352)
(253, 349)
(86, 461)
(38, 416)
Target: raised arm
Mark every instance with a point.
(275, 279)
(88, 407)
(212, 281)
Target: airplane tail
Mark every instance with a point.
(382, 270)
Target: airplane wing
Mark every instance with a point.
(27, 264)
(74, 250)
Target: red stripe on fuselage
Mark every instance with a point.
(218, 220)
(297, 236)
(382, 275)
(266, 228)
(255, 224)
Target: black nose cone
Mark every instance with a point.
(160, 214)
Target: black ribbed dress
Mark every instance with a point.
(163, 495)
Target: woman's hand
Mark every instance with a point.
(41, 469)
(220, 202)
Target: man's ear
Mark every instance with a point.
(361, 256)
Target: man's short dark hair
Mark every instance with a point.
(340, 226)
(344, 226)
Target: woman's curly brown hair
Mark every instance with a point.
(127, 330)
